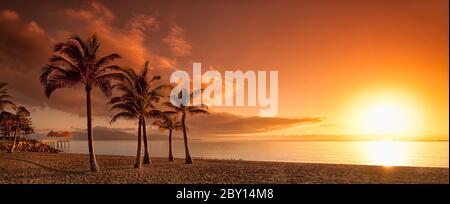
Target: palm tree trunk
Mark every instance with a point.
(147, 159)
(92, 159)
(138, 162)
(9, 133)
(170, 145)
(186, 147)
(11, 150)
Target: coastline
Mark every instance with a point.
(43, 168)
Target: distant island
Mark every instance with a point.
(105, 133)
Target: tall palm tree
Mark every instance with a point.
(21, 118)
(74, 63)
(169, 122)
(184, 110)
(136, 102)
(5, 99)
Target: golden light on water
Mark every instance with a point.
(388, 153)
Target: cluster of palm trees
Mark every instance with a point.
(75, 63)
(16, 123)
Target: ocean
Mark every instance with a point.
(385, 153)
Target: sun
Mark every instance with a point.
(387, 115)
(386, 118)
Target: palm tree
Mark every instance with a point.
(74, 63)
(130, 110)
(184, 110)
(4, 97)
(21, 118)
(5, 117)
(27, 128)
(169, 122)
(136, 103)
(6, 123)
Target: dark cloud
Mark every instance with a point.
(25, 47)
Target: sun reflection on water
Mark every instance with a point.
(388, 153)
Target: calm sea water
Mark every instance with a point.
(387, 153)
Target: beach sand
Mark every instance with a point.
(40, 168)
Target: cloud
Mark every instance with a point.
(177, 43)
(131, 39)
(128, 39)
(94, 12)
(202, 126)
(227, 123)
(26, 45)
(23, 49)
(9, 15)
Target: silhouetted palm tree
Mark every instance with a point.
(136, 102)
(184, 110)
(169, 122)
(5, 99)
(130, 110)
(28, 129)
(74, 63)
(6, 123)
(5, 117)
(21, 118)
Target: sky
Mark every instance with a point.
(342, 65)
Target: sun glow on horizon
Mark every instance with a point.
(386, 119)
(386, 115)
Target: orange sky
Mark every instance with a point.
(333, 57)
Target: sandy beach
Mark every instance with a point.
(43, 168)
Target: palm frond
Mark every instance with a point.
(123, 115)
(161, 124)
(72, 51)
(120, 99)
(129, 107)
(108, 69)
(197, 107)
(144, 70)
(57, 47)
(5, 97)
(105, 86)
(56, 82)
(50, 70)
(171, 106)
(111, 76)
(106, 60)
(80, 41)
(6, 102)
(3, 85)
(154, 114)
(92, 46)
(198, 111)
(60, 61)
